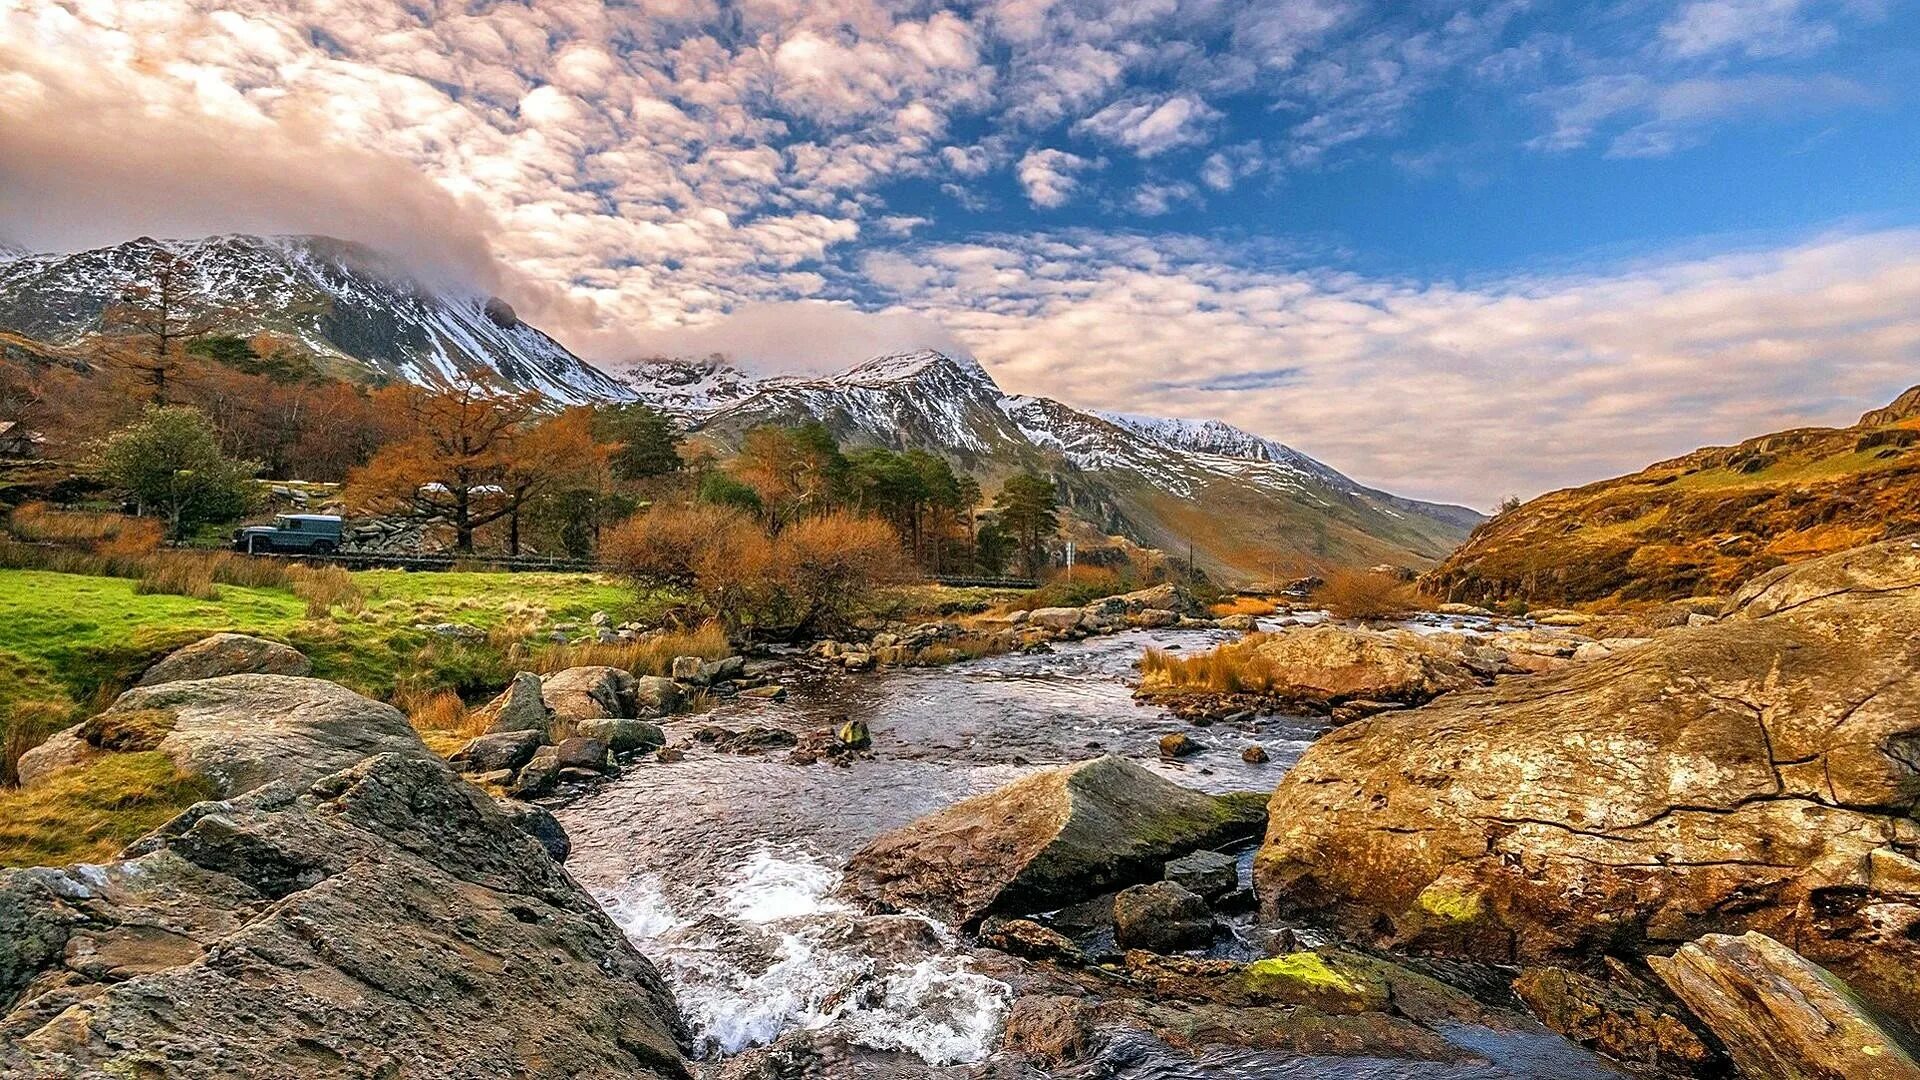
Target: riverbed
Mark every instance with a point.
(722, 868)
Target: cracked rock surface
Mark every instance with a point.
(1758, 773)
(389, 921)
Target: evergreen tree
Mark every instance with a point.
(1029, 512)
(649, 443)
(170, 462)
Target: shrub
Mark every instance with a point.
(829, 565)
(42, 523)
(1358, 594)
(325, 588)
(442, 719)
(666, 543)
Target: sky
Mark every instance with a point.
(1456, 250)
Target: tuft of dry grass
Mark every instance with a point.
(41, 523)
(179, 577)
(1229, 669)
(1242, 605)
(444, 721)
(325, 588)
(1358, 594)
(651, 655)
(89, 812)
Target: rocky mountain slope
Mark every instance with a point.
(335, 299)
(1250, 507)
(1702, 523)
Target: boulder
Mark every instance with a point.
(1623, 1022)
(1161, 917)
(1333, 664)
(1163, 597)
(589, 693)
(623, 736)
(1054, 1028)
(1210, 874)
(1024, 937)
(389, 920)
(1056, 618)
(582, 752)
(501, 750)
(1779, 1015)
(1243, 623)
(726, 669)
(688, 669)
(520, 707)
(60, 750)
(227, 654)
(539, 823)
(1154, 618)
(1178, 745)
(1753, 774)
(1254, 754)
(654, 695)
(539, 774)
(241, 731)
(1051, 838)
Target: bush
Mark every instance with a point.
(1358, 594)
(829, 566)
(41, 523)
(666, 543)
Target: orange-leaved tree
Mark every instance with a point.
(454, 458)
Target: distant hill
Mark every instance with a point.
(1702, 523)
(339, 300)
(1247, 504)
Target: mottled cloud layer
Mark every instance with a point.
(750, 175)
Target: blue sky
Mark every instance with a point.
(1457, 250)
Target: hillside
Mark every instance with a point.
(1250, 507)
(1703, 523)
(340, 301)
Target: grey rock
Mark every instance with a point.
(581, 752)
(389, 920)
(539, 774)
(227, 654)
(520, 707)
(1161, 917)
(1210, 874)
(724, 670)
(589, 693)
(654, 696)
(623, 736)
(539, 823)
(500, 750)
(688, 669)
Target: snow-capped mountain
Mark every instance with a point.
(335, 299)
(1141, 476)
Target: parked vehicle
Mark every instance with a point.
(292, 534)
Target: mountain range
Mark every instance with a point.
(1245, 505)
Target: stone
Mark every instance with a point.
(688, 669)
(61, 750)
(854, 735)
(1054, 1028)
(227, 654)
(724, 670)
(1254, 754)
(539, 823)
(1242, 623)
(1624, 1022)
(501, 750)
(1024, 937)
(522, 706)
(1042, 841)
(1209, 874)
(1745, 775)
(1055, 618)
(771, 692)
(589, 693)
(1178, 745)
(582, 752)
(539, 774)
(388, 920)
(1154, 618)
(654, 695)
(1334, 664)
(1163, 597)
(622, 736)
(1161, 917)
(1779, 1014)
(239, 732)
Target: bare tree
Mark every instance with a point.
(159, 314)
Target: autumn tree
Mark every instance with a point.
(170, 462)
(795, 470)
(454, 461)
(1029, 512)
(153, 320)
(554, 455)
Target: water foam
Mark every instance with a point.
(769, 950)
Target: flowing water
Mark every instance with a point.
(722, 868)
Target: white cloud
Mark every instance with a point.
(1755, 28)
(1440, 390)
(802, 338)
(1652, 119)
(1050, 176)
(1150, 126)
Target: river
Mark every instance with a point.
(722, 868)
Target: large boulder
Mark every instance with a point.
(1050, 838)
(241, 731)
(589, 693)
(390, 920)
(655, 695)
(1780, 1016)
(522, 706)
(1161, 917)
(227, 654)
(1333, 664)
(1757, 773)
(1056, 618)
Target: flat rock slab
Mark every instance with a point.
(1048, 839)
(391, 921)
(227, 654)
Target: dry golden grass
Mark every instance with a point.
(1242, 605)
(442, 719)
(1229, 669)
(652, 655)
(1358, 594)
(42, 523)
(88, 812)
(325, 588)
(179, 577)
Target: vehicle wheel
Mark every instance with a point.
(322, 547)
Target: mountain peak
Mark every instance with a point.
(899, 367)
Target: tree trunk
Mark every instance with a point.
(462, 523)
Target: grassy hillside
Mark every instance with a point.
(1700, 524)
